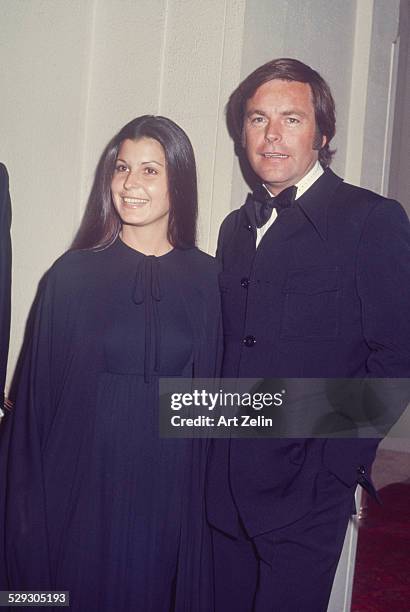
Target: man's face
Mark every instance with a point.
(279, 133)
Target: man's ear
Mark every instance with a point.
(319, 140)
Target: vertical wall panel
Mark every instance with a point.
(124, 76)
(399, 179)
(358, 91)
(224, 160)
(317, 32)
(384, 33)
(195, 80)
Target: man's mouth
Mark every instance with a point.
(134, 202)
(275, 155)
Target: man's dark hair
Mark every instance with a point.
(101, 223)
(287, 69)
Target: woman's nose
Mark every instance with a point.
(131, 180)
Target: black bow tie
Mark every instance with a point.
(264, 203)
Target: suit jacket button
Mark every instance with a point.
(245, 283)
(249, 227)
(249, 341)
(361, 470)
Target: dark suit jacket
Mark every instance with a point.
(326, 294)
(5, 274)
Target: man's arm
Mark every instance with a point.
(383, 284)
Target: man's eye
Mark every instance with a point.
(292, 120)
(257, 120)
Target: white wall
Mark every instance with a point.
(74, 71)
(177, 58)
(379, 90)
(44, 52)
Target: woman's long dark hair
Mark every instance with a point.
(101, 224)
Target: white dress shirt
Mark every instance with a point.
(302, 186)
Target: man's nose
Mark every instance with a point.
(273, 131)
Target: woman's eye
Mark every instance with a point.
(151, 171)
(121, 168)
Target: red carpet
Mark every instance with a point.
(382, 574)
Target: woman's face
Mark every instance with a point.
(139, 186)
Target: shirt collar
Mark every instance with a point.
(306, 181)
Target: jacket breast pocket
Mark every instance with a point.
(311, 303)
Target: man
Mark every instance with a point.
(315, 284)
(5, 275)
(5, 286)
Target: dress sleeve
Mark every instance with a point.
(208, 357)
(26, 560)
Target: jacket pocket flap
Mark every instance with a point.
(310, 281)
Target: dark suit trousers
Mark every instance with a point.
(290, 569)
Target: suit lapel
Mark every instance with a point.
(311, 206)
(315, 201)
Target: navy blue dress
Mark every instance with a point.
(96, 502)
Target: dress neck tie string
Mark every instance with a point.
(147, 291)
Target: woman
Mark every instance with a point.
(97, 503)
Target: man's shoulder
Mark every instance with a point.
(331, 183)
(361, 202)
(231, 222)
(232, 217)
(360, 195)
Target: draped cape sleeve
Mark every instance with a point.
(24, 438)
